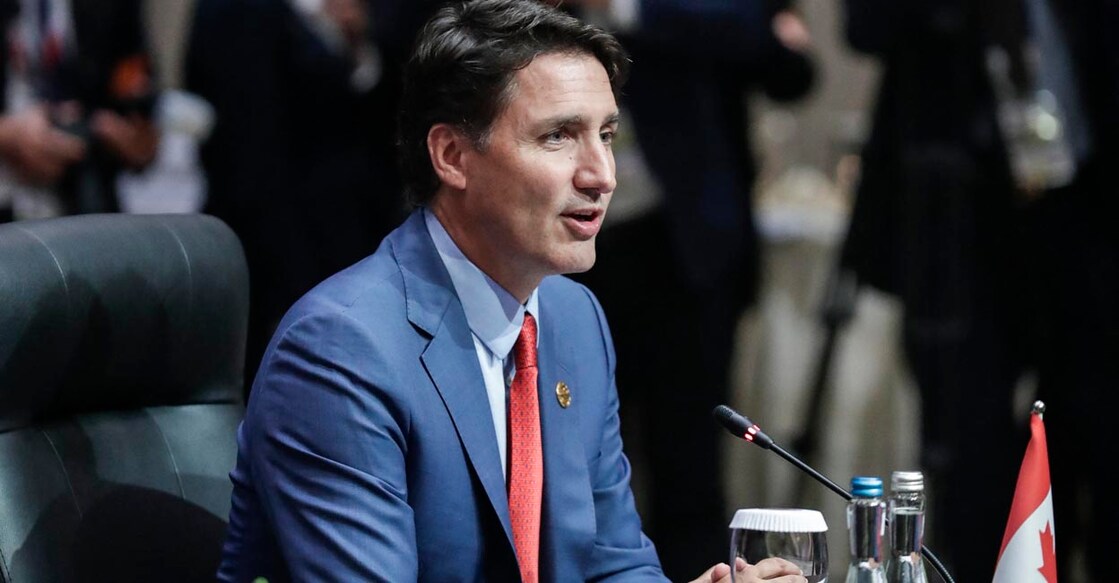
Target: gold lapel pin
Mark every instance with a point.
(563, 394)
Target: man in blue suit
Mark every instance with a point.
(377, 444)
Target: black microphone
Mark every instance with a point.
(741, 427)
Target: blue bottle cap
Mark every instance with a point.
(866, 486)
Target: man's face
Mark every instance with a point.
(536, 194)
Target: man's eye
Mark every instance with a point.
(554, 137)
(607, 137)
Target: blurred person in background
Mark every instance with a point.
(1074, 256)
(677, 278)
(301, 161)
(934, 223)
(78, 94)
(982, 205)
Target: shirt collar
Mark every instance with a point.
(494, 315)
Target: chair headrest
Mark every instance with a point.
(119, 311)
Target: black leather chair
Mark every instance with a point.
(122, 340)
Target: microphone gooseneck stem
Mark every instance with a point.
(811, 471)
(741, 427)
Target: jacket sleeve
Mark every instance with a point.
(880, 27)
(327, 457)
(734, 30)
(734, 36)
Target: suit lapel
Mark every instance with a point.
(450, 358)
(566, 497)
(453, 366)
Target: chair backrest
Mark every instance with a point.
(122, 342)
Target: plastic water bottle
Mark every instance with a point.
(906, 509)
(866, 524)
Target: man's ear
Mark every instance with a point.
(446, 146)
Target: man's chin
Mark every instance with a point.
(579, 264)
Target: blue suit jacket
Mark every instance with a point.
(368, 452)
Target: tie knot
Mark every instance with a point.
(524, 351)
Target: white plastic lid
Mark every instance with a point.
(779, 520)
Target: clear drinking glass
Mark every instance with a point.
(794, 534)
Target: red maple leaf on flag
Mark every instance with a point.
(1048, 567)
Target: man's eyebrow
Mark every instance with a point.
(577, 120)
(562, 121)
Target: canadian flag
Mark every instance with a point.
(1028, 550)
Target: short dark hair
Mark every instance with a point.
(462, 67)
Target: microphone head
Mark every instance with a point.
(741, 427)
(731, 420)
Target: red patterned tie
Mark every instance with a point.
(526, 462)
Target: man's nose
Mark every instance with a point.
(595, 174)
